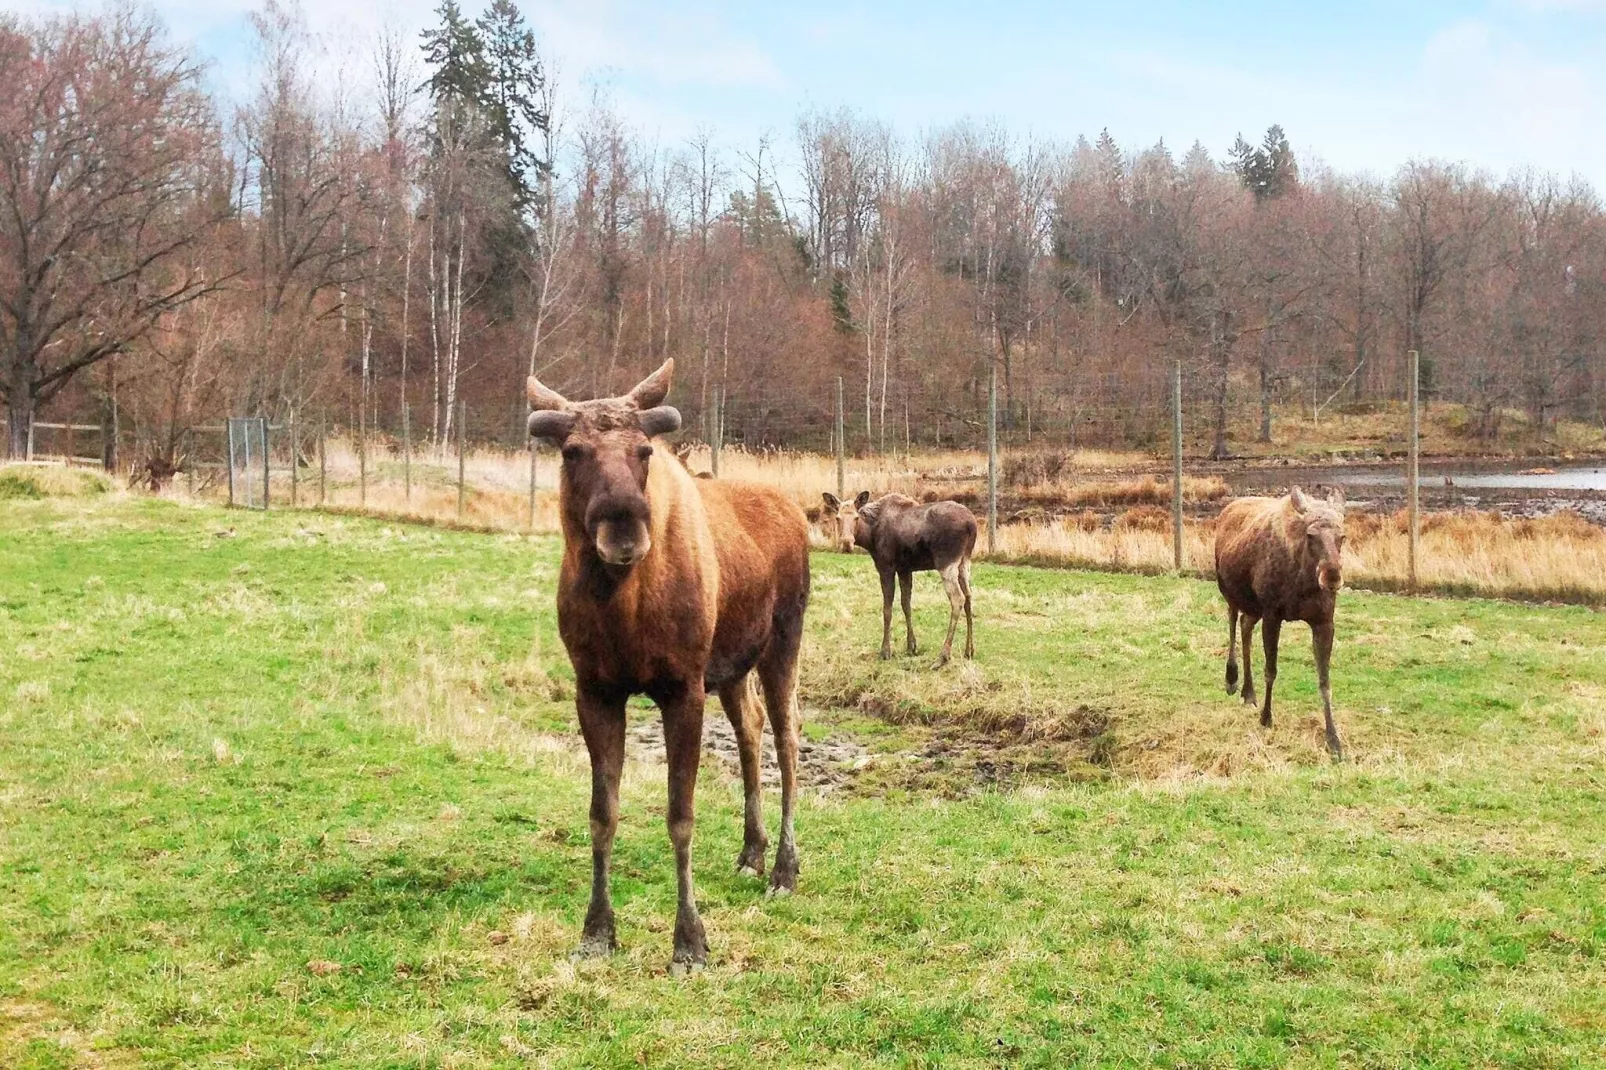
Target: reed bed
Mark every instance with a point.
(1560, 558)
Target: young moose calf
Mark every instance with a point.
(1280, 559)
(672, 586)
(903, 538)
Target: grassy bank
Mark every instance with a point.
(293, 790)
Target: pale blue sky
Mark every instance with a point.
(1362, 86)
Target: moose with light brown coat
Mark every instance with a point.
(672, 586)
(905, 537)
(1281, 559)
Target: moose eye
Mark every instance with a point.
(644, 452)
(573, 454)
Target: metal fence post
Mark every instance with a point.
(1176, 467)
(841, 446)
(323, 459)
(462, 450)
(532, 484)
(295, 462)
(228, 431)
(245, 463)
(992, 456)
(1413, 465)
(407, 451)
(719, 431)
(267, 478)
(362, 452)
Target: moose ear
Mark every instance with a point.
(551, 424)
(659, 421)
(862, 500)
(832, 502)
(1297, 496)
(1335, 498)
(651, 391)
(542, 396)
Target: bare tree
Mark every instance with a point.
(109, 163)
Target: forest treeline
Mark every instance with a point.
(438, 225)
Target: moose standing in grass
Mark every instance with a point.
(672, 586)
(905, 537)
(1281, 559)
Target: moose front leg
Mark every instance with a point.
(888, 578)
(1270, 631)
(1322, 640)
(683, 743)
(747, 718)
(602, 723)
(906, 582)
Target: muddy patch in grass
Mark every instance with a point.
(943, 760)
(824, 765)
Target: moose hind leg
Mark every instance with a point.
(970, 628)
(778, 673)
(956, 605)
(602, 723)
(1232, 651)
(888, 578)
(683, 742)
(1247, 624)
(747, 719)
(906, 582)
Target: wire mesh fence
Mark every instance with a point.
(1130, 486)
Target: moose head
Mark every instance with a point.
(1322, 524)
(606, 446)
(841, 519)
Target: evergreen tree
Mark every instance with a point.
(514, 93)
(1282, 170)
(841, 309)
(455, 53)
(1267, 170)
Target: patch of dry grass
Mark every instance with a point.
(1560, 558)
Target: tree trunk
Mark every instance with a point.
(1220, 355)
(20, 400)
(1265, 384)
(19, 417)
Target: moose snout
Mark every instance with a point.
(619, 529)
(1330, 577)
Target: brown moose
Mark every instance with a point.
(904, 537)
(672, 586)
(1280, 559)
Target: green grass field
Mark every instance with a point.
(305, 790)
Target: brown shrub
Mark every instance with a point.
(1144, 518)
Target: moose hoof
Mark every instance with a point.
(1336, 749)
(679, 969)
(1265, 719)
(594, 947)
(750, 863)
(939, 663)
(783, 881)
(886, 653)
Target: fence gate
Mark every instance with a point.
(248, 462)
